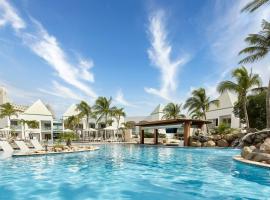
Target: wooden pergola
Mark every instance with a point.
(171, 123)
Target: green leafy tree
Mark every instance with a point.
(103, 109)
(244, 82)
(256, 108)
(84, 111)
(8, 110)
(172, 111)
(258, 46)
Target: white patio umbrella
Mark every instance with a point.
(110, 128)
(6, 131)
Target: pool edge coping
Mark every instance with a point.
(239, 158)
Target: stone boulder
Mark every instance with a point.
(210, 143)
(196, 144)
(246, 152)
(217, 137)
(259, 157)
(222, 143)
(265, 146)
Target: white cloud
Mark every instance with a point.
(8, 15)
(61, 91)
(227, 35)
(160, 56)
(48, 48)
(119, 99)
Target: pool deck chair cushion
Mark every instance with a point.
(23, 147)
(36, 144)
(7, 148)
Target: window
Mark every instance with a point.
(14, 123)
(92, 125)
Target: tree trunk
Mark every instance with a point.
(245, 111)
(268, 106)
(207, 130)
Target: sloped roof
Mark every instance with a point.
(38, 108)
(158, 109)
(226, 100)
(71, 111)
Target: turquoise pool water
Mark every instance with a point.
(134, 172)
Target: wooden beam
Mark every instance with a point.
(156, 136)
(187, 126)
(142, 137)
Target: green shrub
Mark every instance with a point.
(223, 128)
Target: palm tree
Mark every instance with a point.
(245, 81)
(32, 124)
(172, 111)
(199, 102)
(103, 109)
(85, 111)
(72, 122)
(118, 113)
(8, 110)
(254, 5)
(259, 45)
(197, 115)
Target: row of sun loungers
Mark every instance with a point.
(7, 148)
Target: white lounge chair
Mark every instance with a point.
(23, 147)
(36, 144)
(7, 148)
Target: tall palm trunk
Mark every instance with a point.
(204, 113)
(268, 106)
(245, 111)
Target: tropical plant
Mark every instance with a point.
(199, 102)
(172, 111)
(245, 81)
(84, 111)
(32, 124)
(68, 137)
(258, 47)
(197, 115)
(103, 109)
(72, 122)
(254, 5)
(256, 108)
(118, 113)
(8, 110)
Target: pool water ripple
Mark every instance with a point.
(134, 172)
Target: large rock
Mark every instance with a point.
(196, 144)
(259, 157)
(229, 137)
(210, 143)
(222, 143)
(265, 147)
(217, 137)
(245, 152)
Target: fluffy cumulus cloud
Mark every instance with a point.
(160, 56)
(48, 48)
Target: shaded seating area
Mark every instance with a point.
(171, 123)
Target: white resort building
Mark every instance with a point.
(224, 112)
(38, 111)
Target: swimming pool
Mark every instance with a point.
(133, 172)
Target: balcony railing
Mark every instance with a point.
(45, 128)
(16, 127)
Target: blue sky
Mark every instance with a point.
(141, 52)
